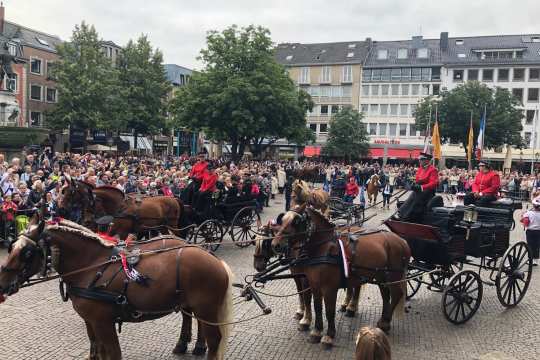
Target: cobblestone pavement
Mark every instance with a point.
(36, 324)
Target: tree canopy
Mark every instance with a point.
(243, 96)
(454, 108)
(347, 137)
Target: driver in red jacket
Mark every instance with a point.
(427, 179)
(485, 187)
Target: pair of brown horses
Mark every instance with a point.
(131, 215)
(377, 257)
(180, 277)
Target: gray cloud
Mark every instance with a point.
(178, 27)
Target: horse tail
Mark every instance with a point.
(225, 314)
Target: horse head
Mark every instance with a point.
(293, 230)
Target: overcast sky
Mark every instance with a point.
(178, 27)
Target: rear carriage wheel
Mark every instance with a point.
(244, 226)
(461, 298)
(209, 235)
(440, 278)
(514, 275)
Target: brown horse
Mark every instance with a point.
(377, 257)
(303, 194)
(178, 277)
(373, 186)
(130, 214)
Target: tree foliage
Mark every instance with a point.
(347, 137)
(503, 124)
(243, 96)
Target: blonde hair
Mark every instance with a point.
(372, 344)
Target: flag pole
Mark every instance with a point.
(470, 151)
(484, 134)
(428, 132)
(436, 119)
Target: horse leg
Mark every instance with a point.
(107, 339)
(200, 344)
(213, 338)
(305, 323)
(301, 307)
(185, 334)
(397, 302)
(316, 333)
(352, 306)
(93, 344)
(330, 298)
(348, 298)
(384, 321)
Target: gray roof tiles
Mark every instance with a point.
(350, 52)
(412, 46)
(30, 37)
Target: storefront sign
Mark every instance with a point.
(386, 141)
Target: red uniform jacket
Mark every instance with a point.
(428, 178)
(197, 171)
(351, 189)
(209, 181)
(487, 184)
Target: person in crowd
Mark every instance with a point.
(372, 344)
(531, 222)
(207, 188)
(485, 186)
(351, 190)
(288, 193)
(275, 188)
(387, 191)
(282, 179)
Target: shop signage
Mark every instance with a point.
(386, 141)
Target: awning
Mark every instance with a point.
(376, 153)
(142, 142)
(310, 151)
(394, 153)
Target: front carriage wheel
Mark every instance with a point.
(413, 285)
(514, 275)
(209, 235)
(244, 226)
(461, 298)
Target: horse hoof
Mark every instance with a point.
(327, 342)
(314, 339)
(350, 313)
(298, 316)
(343, 308)
(180, 348)
(384, 326)
(199, 351)
(303, 327)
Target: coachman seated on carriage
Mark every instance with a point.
(485, 187)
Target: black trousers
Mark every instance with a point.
(287, 202)
(414, 207)
(533, 240)
(483, 200)
(192, 191)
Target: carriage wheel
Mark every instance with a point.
(244, 226)
(190, 234)
(413, 285)
(358, 215)
(439, 278)
(514, 275)
(209, 235)
(461, 298)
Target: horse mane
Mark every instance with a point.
(302, 189)
(79, 230)
(318, 214)
(111, 188)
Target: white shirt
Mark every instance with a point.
(534, 219)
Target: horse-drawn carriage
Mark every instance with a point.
(341, 211)
(454, 245)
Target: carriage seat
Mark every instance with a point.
(506, 203)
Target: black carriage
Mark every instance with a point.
(454, 246)
(341, 211)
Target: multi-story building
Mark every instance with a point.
(111, 50)
(330, 73)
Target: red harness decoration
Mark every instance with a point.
(105, 236)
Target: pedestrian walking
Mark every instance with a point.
(387, 194)
(288, 193)
(531, 221)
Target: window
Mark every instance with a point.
(529, 117)
(36, 92)
(372, 129)
(405, 89)
(366, 75)
(382, 54)
(35, 118)
(352, 46)
(413, 109)
(392, 129)
(422, 53)
(12, 83)
(42, 42)
(459, 41)
(376, 75)
(51, 95)
(396, 74)
(346, 91)
(374, 109)
(487, 75)
(518, 94)
(304, 76)
(323, 128)
(35, 66)
(472, 75)
(404, 110)
(350, 55)
(365, 90)
(289, 57)
(416, 74)
(335, 109)
(535, 39)
(519, 74)
(382, 129)
(415, 89)
(425, 90)
(402, 53)
(326, 74)
(504, 75)
(313, 127)
(384, 90)
(395, 89)
(364, 108)
(402, 130)
(527, 139)
(384, 109)
(436, 89)
(426, 74)
(324, 110)
(462, 55)
(406, 74)
(458, 75)
(347, 74)
(534, 74)
(532, 95)
(393, 109)
(436, 73)
(385, 75)
(374, 90)
(12, 49)
(50, 70)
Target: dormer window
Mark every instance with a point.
(12, 49)
(352, 46)
(535, 39)
(289, 57)
(382, 54)
(42, 42)
(350, 55)
(459, 42)
(402, 53)
(422, 53)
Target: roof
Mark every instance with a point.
(174, 71)
(349, 52)
(412, 46)
(471, 45)
(30, 37)
(111, 43)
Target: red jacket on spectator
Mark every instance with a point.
(428, 178)
(486, 183)
(209, 180)
(198, 170)
(9, 208)
(351, 189)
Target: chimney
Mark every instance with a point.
(369, 42)
(444, 41)
(417, 41)
(2, 17)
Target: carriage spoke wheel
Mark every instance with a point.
(209, 235)
(244, 226)
(461, 298)
(514, 275)
(413, 285)
(440, 278)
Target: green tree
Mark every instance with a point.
(243, 96)
(87, 84)
(144, 88)
(454, 108)
(347, 137)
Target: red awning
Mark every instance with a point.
(395, 153)
(310, 151)
(376, 153)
